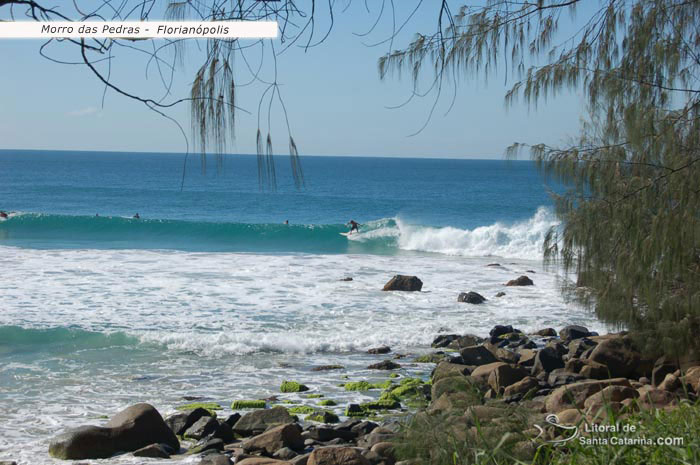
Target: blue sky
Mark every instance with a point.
(336, 102)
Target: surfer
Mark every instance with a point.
(3, 214)
(354, 226)
(137, 216)
(286, 221)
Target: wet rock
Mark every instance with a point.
(443, 340)
(471, 297)
(232, 419)
(467, 340)
(179, 422)
(158, 451)
(571, 332)
(275, 439)
(547, 332)
(379, 350)
(207, 445)
(500, 294)
(224, 432)
(215, 459)
(259, 420)
(337, 456)
(131, 429)
(500, 330)
(476, 355)
(201, 428)
(384, 365)
(520, 281)
(347, 279)
(403, 283)
(325, 434)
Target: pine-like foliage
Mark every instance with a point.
(631, 213)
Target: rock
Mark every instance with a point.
(621, 357)
(232, 419)
(670, 383)
(578, 347)
(465, 341)
(594, 370)
(380, 434)
(8, 462)
(259, 420)
(505, 355)
(500, 294)
(215, 459)
(211, 445)
(261, 461)
(447, 369)
(285, 453)
(293, 386)
(547, 332)
(500, 330)
(300, 460)
(384, 449)
(131, 429)
(594, 403)
(560, 377)
(471, 297)
(443, 340)
(275, 439)
(571, 332)
(201, 428)
(520, 281)
(379, 350)
(224, 432)
(325, 434)
(574, 395)
(323, 416)
(547, 360)
(481, 373)
(158, 451)
(652, 398)
(662, 367)
(403, 283)
(451, 384)
(476, 355)
(179, 422)
(691, 379)
(364, 427)
(337, 456)
(504, 376)
(569, 416)
(527, 357)
(522, 387)
(346, 279)
(384, 365)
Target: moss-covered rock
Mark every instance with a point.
(293, 386)
(301, 410)
(328, 403)
(323, 416)
(246, 404)
(211, 407)
(381, 404)
(313, 396)
(430, 358)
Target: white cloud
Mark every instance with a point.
(84, 112)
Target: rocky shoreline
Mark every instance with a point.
(478, 384)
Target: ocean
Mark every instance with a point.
(211, 295)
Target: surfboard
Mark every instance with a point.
(346, 234)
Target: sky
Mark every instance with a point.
(336, 103)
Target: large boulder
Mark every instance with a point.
(259, 420)
(403, 283)
(201, 428)
(522, 387)
(131, 429)
(621, 358)
(520, 281)
(447, 369)
(607, 396)
(471, 297)
(504, 376)
(481, 373)
(337, 456)
(574, 395)
(384, 365)
(444, 340)
(275, 439)
(476, 355)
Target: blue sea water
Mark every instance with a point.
(211, 295)
(224, 209)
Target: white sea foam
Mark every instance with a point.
(228, 326)
(522, 240)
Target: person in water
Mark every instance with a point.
(354, 226)
(137, 216)
(3, 214)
